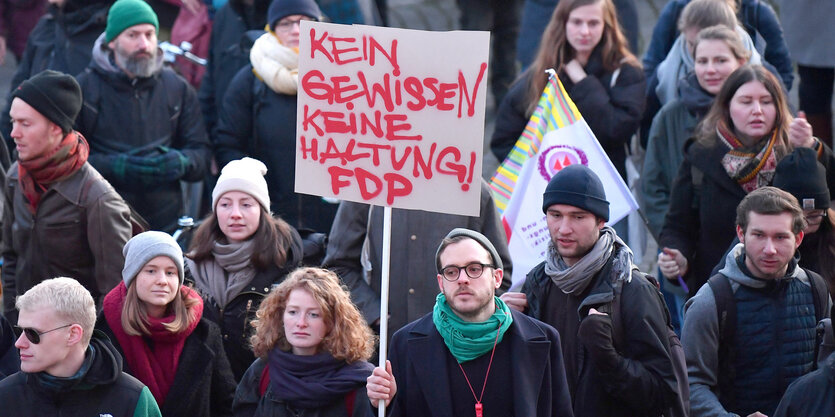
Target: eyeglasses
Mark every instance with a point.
(33, 335)
(473, 270)
(287, 25)
(815, 217)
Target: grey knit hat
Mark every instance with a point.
(478, 237)
(146, 246)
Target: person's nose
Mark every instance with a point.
(769, 248)
(21, 341)
(302, 321)
(15, 130)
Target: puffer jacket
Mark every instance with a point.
(103, 390)
(78, 231)
(61, 41)
(134, 115)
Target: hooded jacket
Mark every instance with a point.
(135, 115)
(103, 390)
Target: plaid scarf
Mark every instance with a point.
(35, 175)
(751, 167)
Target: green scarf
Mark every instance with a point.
(465, 340)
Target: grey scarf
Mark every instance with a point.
(574, 279)
(228, 274)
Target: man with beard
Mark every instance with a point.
(472, 355)
(61, 217)
(585, 262)
(142, 120)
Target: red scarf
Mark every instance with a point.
(154, 367)
(35, 175)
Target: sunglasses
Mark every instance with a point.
(33, 335)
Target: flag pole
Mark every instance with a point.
(384, 297)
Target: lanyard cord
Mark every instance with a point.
(489, 364)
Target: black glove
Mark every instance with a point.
(596, 335)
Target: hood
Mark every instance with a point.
(734, 271)
(103, 62)
(107, 362)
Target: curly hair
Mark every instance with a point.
(349, 338)
(555, 51)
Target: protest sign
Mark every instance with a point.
(391, 117)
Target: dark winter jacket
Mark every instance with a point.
(756, 16)
(611, 111)
(421, 364)
(701, 220)
(250, 403)
(812, 394)
(137, 116)
(644, 384)
(257, 122)
(203, 384)
(9, 356)
(537, 13)
(78, 231)
(228, 52)
(61, 41)
(17, 18)
(235, 317)
(104, 390)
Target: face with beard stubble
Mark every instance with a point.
(135, 50)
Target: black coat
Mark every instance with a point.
(258, 122)
(644, 384)
(228, 52)
(812, 394)
(701, 221)
(61, 41)
(250, 403)
(203, 384)
(418, 363)
(612, 112)
(235, 317)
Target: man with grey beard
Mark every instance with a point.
(142, 120)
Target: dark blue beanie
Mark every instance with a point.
(280, 9)
(578, 186)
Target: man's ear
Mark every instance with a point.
(440, 283)
(740, 234)
(497, 277)
(76, 334)
(798, 239)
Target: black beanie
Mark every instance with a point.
(578, 186)
(280, 9)
(53, 94)
(804, 177)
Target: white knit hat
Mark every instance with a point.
(245, 175)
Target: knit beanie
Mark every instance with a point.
(245, 175)
(577, 185)
(126, 13)
(280, 9)
(478, 237)
(804, 177)
(55, 95)
(146, 246)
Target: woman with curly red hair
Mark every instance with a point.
(312, 346)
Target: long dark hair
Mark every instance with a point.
(555, 51)
(721, 108)
(826, 249)
(273, 239)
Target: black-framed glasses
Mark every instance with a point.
(287, 25)
(33, 335)
(815, 216)
(473, 270)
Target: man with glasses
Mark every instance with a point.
(143, 121)
(472, 355)
(65, 368)
(574, 289)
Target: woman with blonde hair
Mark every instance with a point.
(156, 324)
(584, 44)
(312, 346)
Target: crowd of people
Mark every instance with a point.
(104, 311)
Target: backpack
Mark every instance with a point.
(265, 383)
(726, 313)
(681, 406)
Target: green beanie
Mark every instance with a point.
(126, 13)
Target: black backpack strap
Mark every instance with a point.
(92, 96)
(820, 293)
(726, 314)
(175, 88)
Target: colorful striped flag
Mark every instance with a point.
(556, 136)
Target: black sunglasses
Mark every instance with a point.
(33, 335)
